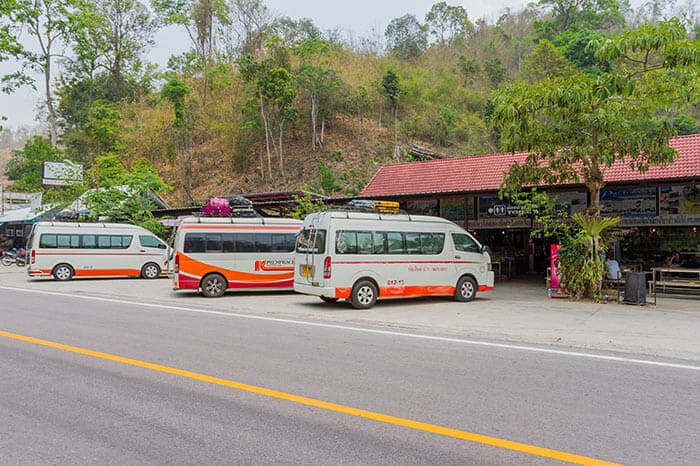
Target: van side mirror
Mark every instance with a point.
(482, 248)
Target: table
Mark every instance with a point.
(678, 278)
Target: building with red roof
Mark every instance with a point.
(662, 204)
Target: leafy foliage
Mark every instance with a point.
(575, 127)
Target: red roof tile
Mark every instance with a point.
(485, 172)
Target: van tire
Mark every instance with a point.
(364, 294)
(150, 271)
(63, 272)
(213, 285)
(329, 300)
(466, 289)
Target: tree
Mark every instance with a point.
(111, 36)
(576, 127)
(49, 22)
(579, 14)
(175, 91)
(392, 91)
(293, 32)
(253, 24)
(545, 62)
(448, 23)
(25, 167)
(406, 37)
(318, 80)
(273, 85)
(495, 71)
(125, 193)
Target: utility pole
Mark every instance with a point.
(2, 199)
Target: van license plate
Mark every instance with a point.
(306, 270)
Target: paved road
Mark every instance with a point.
(60, 405)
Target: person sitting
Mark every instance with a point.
(674, 260)
(614, 272)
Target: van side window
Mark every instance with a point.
(432, 243)
(120, 241)
(346, 242)
(394, 242)
(464, 243)
(48, 241)
(194, 242)
(88, 242)
(413, 243)
(263, 242)
(365, 244)
(213, 242)
(283, 242)
(228, 242)
(245, 242)
(379, 242)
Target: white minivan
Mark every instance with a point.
(65, 250)
(361, 257)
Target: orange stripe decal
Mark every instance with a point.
(196, 268)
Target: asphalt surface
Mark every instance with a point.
(60, 407)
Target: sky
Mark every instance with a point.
(356, 16)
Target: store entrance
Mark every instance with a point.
(509, 250)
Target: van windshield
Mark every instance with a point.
(311, 240)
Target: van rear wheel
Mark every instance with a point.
(466, 289)
(364, 294)
(150, 271)
(62, 272)
(213, 285)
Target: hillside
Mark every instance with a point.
(351, 158)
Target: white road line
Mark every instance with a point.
(366, 330)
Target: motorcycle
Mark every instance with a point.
(14, 256)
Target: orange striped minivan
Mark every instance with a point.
(66, 250)
(216, 254)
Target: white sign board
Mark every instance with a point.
(62, 173)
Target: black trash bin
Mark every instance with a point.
(635, 288)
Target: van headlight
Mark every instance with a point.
(489, 267)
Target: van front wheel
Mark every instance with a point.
(213, 286)
(466, 289)
(364, 294)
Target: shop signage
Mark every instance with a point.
(502, 222)
(571, 202)
(422, 207)
(683, 200)
(493, 206)
(629, 202)
(669, 220)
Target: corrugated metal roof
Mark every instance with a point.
(486, 172)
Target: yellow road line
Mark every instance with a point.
(379, 417)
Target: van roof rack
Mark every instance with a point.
(370, 206)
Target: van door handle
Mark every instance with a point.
(142, 250)
(458, 257)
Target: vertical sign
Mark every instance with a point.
(554, 276)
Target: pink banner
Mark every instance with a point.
(554, 278)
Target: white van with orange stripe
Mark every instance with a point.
(215, 254)
(66, 250)
(361, 257)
